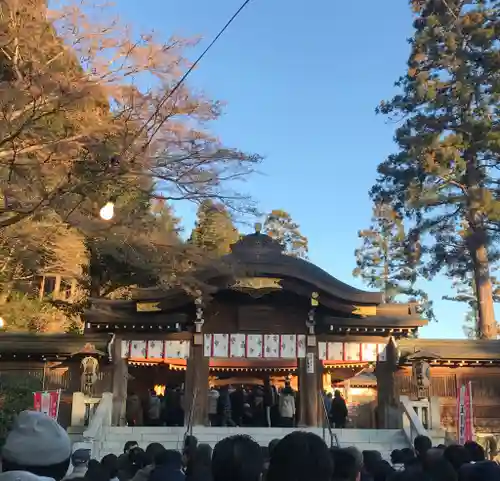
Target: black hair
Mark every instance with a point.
(346, 466)
(475, 450)
(138, 460)
(110, 464)
(481, 471)
(54, 471)
(272, 445)
(382, 471)
(370, 459)
(422, 444)
(153, 451)
(128, 445)
(200, 464)
(237, 458)
(300, 456)
(397, 456)
(442, 470)
(170, 458)
(456, 455)
(96, 472)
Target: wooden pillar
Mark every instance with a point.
(120, 382)
(196, 386)
(388, 411)
(310, 372)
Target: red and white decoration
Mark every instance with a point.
(465, 417)
(256, 346)
(351, 351)
(47, 402)
(155, 349)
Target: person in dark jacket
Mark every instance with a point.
(338, 411)
(270, 401)
(199, 467)
(168, 466)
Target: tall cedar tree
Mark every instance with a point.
(214, 232)
(280, 226)
(465, 293)
(445, 173)
(387, 263)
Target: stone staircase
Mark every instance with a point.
(112, 439)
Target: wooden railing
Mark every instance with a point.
(99, 421)
(412, 425)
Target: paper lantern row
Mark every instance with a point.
(155, 349)
(351, 351)
(263, 346)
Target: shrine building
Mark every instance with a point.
(267, 314)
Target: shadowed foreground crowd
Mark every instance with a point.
(38, 449)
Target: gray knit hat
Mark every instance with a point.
(36, 440)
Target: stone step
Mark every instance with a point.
(383, 440)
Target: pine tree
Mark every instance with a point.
(280, 226)
(444, 177)
(386, 262)
(214, 231)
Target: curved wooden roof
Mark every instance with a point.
(259, 255)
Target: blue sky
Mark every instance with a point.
(301, 81)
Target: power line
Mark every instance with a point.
(183, 78)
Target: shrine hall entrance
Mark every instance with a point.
(163, 408)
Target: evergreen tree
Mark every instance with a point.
(214, 231)
(444, 177)
(280, 226)
(386, 262)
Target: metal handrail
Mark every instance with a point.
(334, 440)
(189, 427)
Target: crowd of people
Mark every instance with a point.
(38, 449)
(245, 406)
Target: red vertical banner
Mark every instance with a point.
(37, 401)
(465, 422)
(47, 402)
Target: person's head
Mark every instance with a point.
(272, 445)
(129, 445)
(422, 444)
(287, 383)
(80, 457)
(203, 456)
(370, 459)
(407, 456)
(138, 460)
(382, 471)
(337, 393)
(190, 445)
(433, 455)
(475, 450)
(96, 471)
(110, 464)
(397, 456)
(357, 454)
(442, 470)
(169, 458)
(300, 456)
(329, 395)
(237, 458)
(37, 444)
(480, 471)
(346, 467)
(153, 451)
(456, 455)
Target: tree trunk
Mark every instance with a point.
(486, 326)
